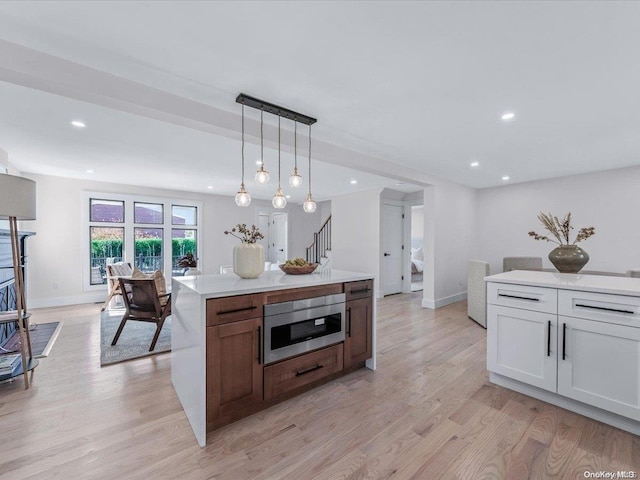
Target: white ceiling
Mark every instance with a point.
(420, 84)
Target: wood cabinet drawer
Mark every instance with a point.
(233, 309)
(292, 374)
(302, 293)
(526, 297)
(355, 290)
(604, 307)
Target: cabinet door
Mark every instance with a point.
(521, 344)
(599, 364)
(234, 370)
(357, 341)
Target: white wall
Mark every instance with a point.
(417, 226)
(450, 240)
(355, 224)
(55, 253)
(608, 201)
(302, 226)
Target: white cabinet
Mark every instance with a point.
(580, 349)
(599, 364)
(521, 344)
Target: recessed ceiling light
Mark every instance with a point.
(210, 187)
(258, 162)
(288, 196)
(475, 164)
(89, 171)
(78, 123)
(399, 183)
(508, 116)
(505, 178)
(353, 182)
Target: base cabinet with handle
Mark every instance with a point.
(577, 349)
(235, 372)
(237, 381)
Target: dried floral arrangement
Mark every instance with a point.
(561, 229)
(246, 234)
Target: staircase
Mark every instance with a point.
(320, 250)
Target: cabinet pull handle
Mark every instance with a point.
(549, 338)
(517, 297)
(564, 340)
(627, 312)
(349, 321)
(362, 290)
(259, 346)
(245, 309)
(309, 370)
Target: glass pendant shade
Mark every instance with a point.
(295, 180)
(262, 176)
(279, 200)
(309, 205)
(243, 199)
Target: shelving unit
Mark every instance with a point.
(25, 350)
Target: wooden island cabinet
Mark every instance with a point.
(230, 380)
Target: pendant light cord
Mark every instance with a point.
(309, 159)
(261, 142)
(279, 152)
(243, 144)
(295, 146)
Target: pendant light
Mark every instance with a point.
(262, 176)
(309, 205)
(243, 199)
(295, 180)
(279, 200)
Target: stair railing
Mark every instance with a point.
(321, 243)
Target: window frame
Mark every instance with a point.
(128, 247)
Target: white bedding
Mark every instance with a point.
(418, 266)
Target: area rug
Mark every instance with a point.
(43, 336)
(134, 341)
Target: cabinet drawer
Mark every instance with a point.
(291, 374)
(538, 299)
(233, 309)
(618, 309)
(355, 290)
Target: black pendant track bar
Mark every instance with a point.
(275, 109)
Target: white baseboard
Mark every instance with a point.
(442, 302)
(64, 301)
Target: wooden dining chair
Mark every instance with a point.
(143, 304)
(114, 271)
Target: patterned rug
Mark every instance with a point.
(134, 341)
(43, 336)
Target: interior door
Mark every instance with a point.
(278, 237)
(392, 237)
(264, 221)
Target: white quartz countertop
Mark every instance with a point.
(571, 281)
(215, 286)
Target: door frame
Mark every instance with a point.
(270, 212)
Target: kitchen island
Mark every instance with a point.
(569, 339)
(228, 362)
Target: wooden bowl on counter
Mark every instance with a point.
(299, 270)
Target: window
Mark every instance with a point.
(183, 242)
(106, 248)
(182, 215)
(148, 249)
(148, 213)
(124, 228)
(107, 211)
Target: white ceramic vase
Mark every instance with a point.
(248, 260)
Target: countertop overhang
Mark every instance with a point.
(215, 286)
(571, 281)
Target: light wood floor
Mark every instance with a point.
(428, 412)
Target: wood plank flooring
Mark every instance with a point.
(428, 412)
